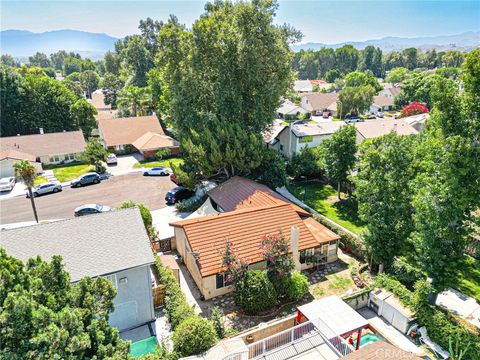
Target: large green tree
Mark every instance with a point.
(136, 58)
(57, 59)
(218, 87)
(95, 154)
(347, 58)
(111, 89)
(89, 80)
(10, 82)
(385, 169)
(44, 316)
(358, 78)
(136, 100)
(83, 116)
(371, 59)
(8, 60)
(338, 155)
(355, 100)
(40, 59)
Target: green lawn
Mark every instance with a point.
(323, 198)
(70, 172)
(469, 278)
(39, 180)
(154, 163)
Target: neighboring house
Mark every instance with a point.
(143, 134)
(418, 122)
(291, 111)
(270, 135)
(104, 111)
(51, 148)
(390, 92)
(302, 86)
(374, 128)
(113, 245)
(248, 212)
(298, 135)
(8, 158)
(318, 103)
(381, 103)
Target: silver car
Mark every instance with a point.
(7, 183)
(46, 188)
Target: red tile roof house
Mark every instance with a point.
(248, 212)
(51, 148)
(143, 134)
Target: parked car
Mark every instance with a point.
(88, 178)
(352, 119)
(326, 114)
(157, 171)
(178, 194)
(46, 188)
(174, 179)
(89, 209)
(7, 183)
(380, 114)
(371, 117)
(112, 159)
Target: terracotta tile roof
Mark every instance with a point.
(240, 193)
(380, 350)
(153, 141)
(60, 143)
(124, 131)
(17, 155)
(373, 128)
(245, 228)
(320, 101)
(321, 233)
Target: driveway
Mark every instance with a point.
(125, 164)
(18, 189)
(149, 191)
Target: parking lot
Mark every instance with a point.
(149, 191)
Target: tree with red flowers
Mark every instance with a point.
(414, 108)
(236, 268)
(275, 251)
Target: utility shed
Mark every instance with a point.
(386, 305)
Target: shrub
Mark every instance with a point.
(414, 108)
(396, 287)
(255, 293)
(190, 204)
(305, 163)
(194, 335)
(404, 272)
(295, 286)
(176, 307)
(216, 317)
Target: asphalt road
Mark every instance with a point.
(146, 190)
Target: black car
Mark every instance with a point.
(178, 194)
(91, 209)
(86, 179)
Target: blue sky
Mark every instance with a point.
(320, 21)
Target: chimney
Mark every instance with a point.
(294, 235)
(41, 131)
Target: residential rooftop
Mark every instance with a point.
(320, 101)
(93, 245)
(124, 131)
(315, 129)
(373, 128)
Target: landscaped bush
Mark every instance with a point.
(144, 212)
(255, 293)
(305, 163)
(404, 272)
(216, 317)
(193, 336)
(295, 286)
(176, 307)
(355, 243)
(190, 204)
(396, 287)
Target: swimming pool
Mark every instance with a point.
(367, 339)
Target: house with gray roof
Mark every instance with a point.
(113, 245)
(291, 139)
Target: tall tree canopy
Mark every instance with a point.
(215, 79)
(45, 317)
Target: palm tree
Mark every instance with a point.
(27, 172)
(137, 99)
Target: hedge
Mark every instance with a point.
(357, 247)
(396, 287)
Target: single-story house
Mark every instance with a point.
(8, 158)
(291, 139)
(389, 92)
(374, 128)
(270, 135)
(381, 103)
(51, 148)
(291, 111)
(302, 86)
(418, 122)
(248, 212)
(318, 103)
(104, 111)
(142, 133)
(112, 245)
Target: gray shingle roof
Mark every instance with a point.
(92, 245)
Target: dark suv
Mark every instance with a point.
(178, 194)
(86, 179)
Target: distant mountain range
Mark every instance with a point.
(21, 43)
(465, 41)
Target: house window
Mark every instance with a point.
(221, 280)
(306, 139)
(306, 256)
(112, 278)
(332, 251)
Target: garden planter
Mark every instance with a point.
(249, 339)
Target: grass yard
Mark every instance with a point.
(39, 180)
(70, 172)
(323, 198)
(469, 279)
(154, 163)
(336, 284)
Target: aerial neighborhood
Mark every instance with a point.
(221, 190)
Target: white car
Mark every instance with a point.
(7, 183)
(157, 171)
(111, 159)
